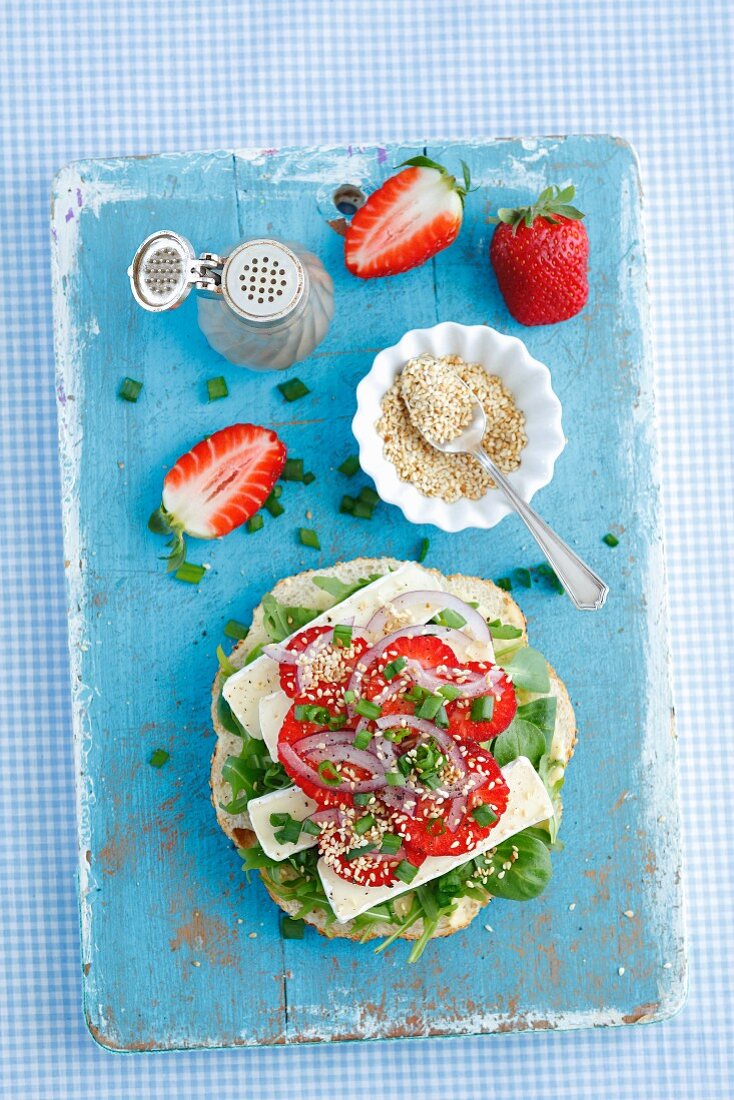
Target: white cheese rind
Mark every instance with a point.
(527, 805)
(271, 713)
(244, 689)
(290, 801)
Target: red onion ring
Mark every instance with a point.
(369, 657)
(431, 602)
(299, 767)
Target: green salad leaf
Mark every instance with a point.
(530, 867)
(521, 738)
(339, 590)
(252, 774)
(542, 713)
(529, 670)
(280, 620)
(503, 630)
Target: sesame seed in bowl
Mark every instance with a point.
(420, 385)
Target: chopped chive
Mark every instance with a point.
(224, 663)
(329, 773)
(310, 827)
(423, 547)
(290, 928)
(504, 583)
(451, 618)
(309, 478)
(545, 570)
(235, 630)
(158, 758)
(405, 871)
(450, 692)
(393, 779)
(280, 819)
(255, 523)
(484, 815)
(523, 578)
(430, 780)
(311, 712)
(430, 707)
(293, 469)
(309, 537)
(391, 843)
(216, 388)
(442, 719)
(350, 466)
(391, 670)
(482, 708)
(346, 505)
(436, 826)
(277, 492)
(367, 709)
(362, 510)
(368, 496)
(416, 694)
(610, 539)
(342, 636)
(355, 853)
(396, 735)
(364, 824)
(293, 389)
(362, 739)
(130, 390)
(337, 721)
(349, 696)
(362, 798)
(273, 505)
(190, 573)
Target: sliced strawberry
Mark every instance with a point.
(326, 693)
(414, 215)
(461, 723)
(426, 650)
(375, 869)
(429, 831)
(218, 484)
(325, 793)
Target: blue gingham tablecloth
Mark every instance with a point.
(87, 79)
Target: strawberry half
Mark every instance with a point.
(410, 218)
(217, 486)
(540, 256)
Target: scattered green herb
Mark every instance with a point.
(293, 469)
(405, 871)
(309, 478)
(293, 389)
(362, 739)
(504, 583)
(158, 758)
(367, 709)
(255, 523)
(423, 548)
(130, 390)
(273, 505)
(484, 815)
(482, 708)
(189, 572)
(610, 539)
(291, 929)
(346, 505)
(362, 510)
(523, 578)
(393, 668)
(329, 773)
(280, 620)
(339, 590)
(350, 466)
(216, 388)
(235, 630)
(342, 636)
(224, 663)
(449, 617)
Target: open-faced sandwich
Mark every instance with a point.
(390, 750)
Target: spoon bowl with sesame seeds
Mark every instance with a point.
(458, 426)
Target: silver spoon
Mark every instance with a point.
(587, 591)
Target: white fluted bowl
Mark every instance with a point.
(527, 380)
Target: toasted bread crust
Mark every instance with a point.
(299, 589)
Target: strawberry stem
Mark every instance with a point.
(161, 522)
(550, 204)
(426, 162)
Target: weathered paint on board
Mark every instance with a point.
(178, 951)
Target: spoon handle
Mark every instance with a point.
(587, 591)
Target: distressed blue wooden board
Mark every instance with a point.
(161, 889)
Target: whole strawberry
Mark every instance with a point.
(540, 256)
(414, 215)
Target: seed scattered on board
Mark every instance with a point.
(620, 971)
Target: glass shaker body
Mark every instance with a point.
(274, 307)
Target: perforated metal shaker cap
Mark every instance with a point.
(263, 281)
(163, 271)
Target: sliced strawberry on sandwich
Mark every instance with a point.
(217, 486)
(414, 215)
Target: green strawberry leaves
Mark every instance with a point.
(553, 202)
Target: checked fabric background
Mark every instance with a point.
(94, 79)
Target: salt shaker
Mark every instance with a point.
(265, 305)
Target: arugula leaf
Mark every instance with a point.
(339, 590)
(529, 671)
(542, 713)
(226, 666)
(280, 620)
(521, 738)
(251, 774)
(530, 869)
(503, 630)
(254, 859)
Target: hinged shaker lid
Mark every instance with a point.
(263, 280)
(163, 271)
